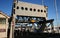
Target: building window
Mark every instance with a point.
(17, 7)
(22, 8)
(45, 11)
(59, 28)
(2, 21)
(14, 5)
(34, 9)
(26, 8)
(38, 10)
(30, 9)
(41, 10)
(14, 11)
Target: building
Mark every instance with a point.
(57, 29)
(3, 25)
(23, 11)
(29, 9)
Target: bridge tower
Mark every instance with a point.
(24, 13)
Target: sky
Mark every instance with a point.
(6, 6)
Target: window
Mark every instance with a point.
(17, 1)
(59, 28)
(2, 21)
(14, 5)
(22, 8)
(34, 9)
(38, 10)
(2, 30)
(45, 11)
(41, 10)
(30, 9)
(26, 8)
(17, 7)
(14, 11)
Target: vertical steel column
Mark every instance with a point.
(13, 20)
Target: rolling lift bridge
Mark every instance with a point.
(25, 14)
